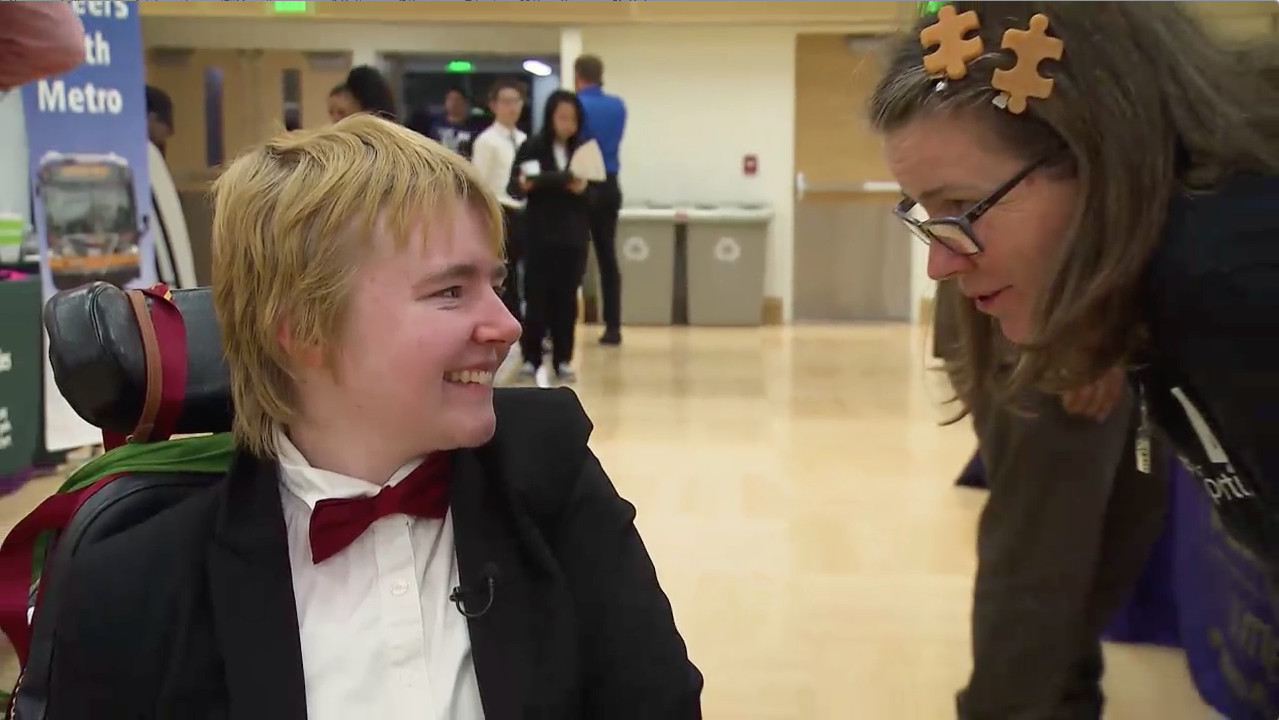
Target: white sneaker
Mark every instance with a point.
(542, 376)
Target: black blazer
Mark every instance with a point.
(191, 614)
(554, 214)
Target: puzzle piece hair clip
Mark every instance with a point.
(949, 61)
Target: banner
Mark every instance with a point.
(91, 196)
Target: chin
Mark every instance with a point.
(474, 430)
(1016, 330)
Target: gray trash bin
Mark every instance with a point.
(646, 257)
(727, 255)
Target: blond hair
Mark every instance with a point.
(1146, 104)
(292, 219)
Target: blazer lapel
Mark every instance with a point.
(487, 542)
(251, 588)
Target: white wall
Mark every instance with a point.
(699, 99)
(14, 196)
(538, 93)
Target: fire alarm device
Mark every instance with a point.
(750, 165)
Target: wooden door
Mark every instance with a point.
(295, 81)
(851, 261)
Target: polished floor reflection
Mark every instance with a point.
(794, 489)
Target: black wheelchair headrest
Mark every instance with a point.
(99, 362)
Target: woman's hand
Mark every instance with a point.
(577, 185)
(525, 185)
(1097, 399)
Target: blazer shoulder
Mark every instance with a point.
(541, 420)
(118, 596)
(125, 570)
(540, 445)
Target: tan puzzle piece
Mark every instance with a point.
(1032, 47)
(953, 52)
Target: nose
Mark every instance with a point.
(942, 262)
(500, 327)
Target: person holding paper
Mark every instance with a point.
(557, 229)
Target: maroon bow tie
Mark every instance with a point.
(337, 522)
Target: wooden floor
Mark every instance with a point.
(794, 489)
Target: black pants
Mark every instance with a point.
(606, 203)
(1064, 536)
(513, 293)
(552, 275)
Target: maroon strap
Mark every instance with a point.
(164, 345)
(18, 552)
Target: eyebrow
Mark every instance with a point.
(459, 272)
(952, 189)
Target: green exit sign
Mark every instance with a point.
(290, 7)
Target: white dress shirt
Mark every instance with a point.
(493, 154)
(561, 155)
(380, 638)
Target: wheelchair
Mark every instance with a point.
(111, 365)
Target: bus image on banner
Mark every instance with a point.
(91, 218)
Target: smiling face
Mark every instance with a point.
(948, 162)
(423, 334)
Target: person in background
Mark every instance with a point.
(605, 123)
(340, 103)
(493, 155)
(557, 229)
(37, 40)
(159, 117)
(456, 129)
(364, 90)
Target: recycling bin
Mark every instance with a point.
(646, 257)
(727, 255)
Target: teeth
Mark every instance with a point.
(469, 377)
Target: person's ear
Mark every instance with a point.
(305, 355)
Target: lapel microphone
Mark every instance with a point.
(461, 595)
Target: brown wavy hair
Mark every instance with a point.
(1148, 105)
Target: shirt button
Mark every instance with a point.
(399, 587)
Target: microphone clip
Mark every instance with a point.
(460, 594)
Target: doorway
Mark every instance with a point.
(852, 258)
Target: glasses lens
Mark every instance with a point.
(954, 238)
(918, 232)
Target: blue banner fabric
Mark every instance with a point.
(87, 142)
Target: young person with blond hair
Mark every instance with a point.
(395, 538)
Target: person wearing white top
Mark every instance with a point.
(493, 155)
(394, 538)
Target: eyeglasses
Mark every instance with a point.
(956, 233)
